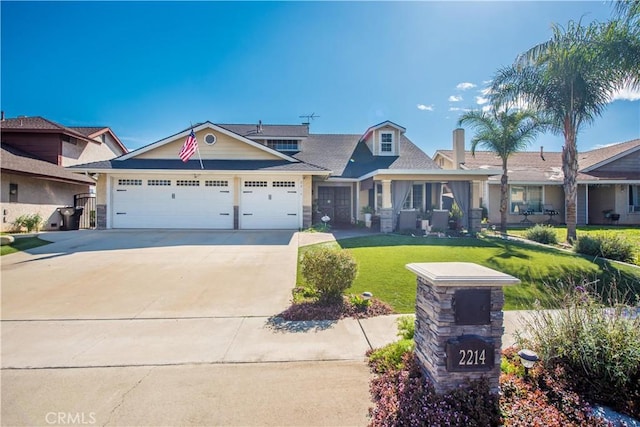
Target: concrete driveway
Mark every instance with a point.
(151, 274)
(172, 328)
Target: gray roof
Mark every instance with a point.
(268, 131)
(194, 164)
(35, 124)
(17, 161)
(347, 157)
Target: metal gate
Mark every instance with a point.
(87, 202)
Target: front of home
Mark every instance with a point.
(273, 177)
(608, 184)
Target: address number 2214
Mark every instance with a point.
(472, 357)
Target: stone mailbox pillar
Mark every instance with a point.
(459, 322)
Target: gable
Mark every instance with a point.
(628, 163)
(227, 146)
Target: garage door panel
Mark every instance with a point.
(172, 203)
(270, 204)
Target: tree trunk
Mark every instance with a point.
(503, 198)
(570, 170)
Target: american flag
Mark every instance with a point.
(189, 147)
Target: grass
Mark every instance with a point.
(630, 233)
(22, 244)
(382, 259)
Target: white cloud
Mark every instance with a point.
(425, 107)
(481, 100)
(459, 109)
(455, 98)
(486, 108)
(465, 86)
(486, 91)
(626, 94)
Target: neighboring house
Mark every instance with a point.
(270, 177)
(608, 183)
(34, 179)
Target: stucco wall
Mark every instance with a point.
(36, 196)
(553, 195)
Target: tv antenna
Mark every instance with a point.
(309, 117)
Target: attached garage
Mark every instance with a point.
(172, 202)
(271, 203)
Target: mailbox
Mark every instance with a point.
(472, 306)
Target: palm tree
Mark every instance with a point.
(504, 133)
(570, 79)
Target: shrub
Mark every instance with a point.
(594, 349)
(542, 234)
(406, 327)
(608, 246)
(330, 272)
(30, 222)
(404, 397)
(390, 356)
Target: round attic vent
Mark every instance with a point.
(210, 139)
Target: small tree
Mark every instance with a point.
(330, 272)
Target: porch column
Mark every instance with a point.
(386, 212)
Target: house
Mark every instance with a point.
(608, 183)
(35, 153)
(271, 177)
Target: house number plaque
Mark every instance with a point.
(469, 353)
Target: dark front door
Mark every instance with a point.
(336, 203)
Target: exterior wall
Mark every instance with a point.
(614, 197)
(85, 152)
(622, 206)
(307, 201)
(364, 201)
(45, 146)
(37, 196)
(225, 148)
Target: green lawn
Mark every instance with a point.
(22, 244)
(382, 259)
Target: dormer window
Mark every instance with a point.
(386, 142)
(283, 144)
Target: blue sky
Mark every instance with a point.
(149, 69)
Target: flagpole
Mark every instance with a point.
(197, 149)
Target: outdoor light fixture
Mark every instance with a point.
(367, 296)
(528, 359)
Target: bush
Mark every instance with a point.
(542, 234)
(330, 272)
(404, 397)
(608, 246)
(406, 327)
(596, 350)
(390, 356)
(30, 222)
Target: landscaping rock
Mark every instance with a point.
(6, 240)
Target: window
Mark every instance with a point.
(209, 139)
(13, 193)
(283, 144)
(386, 142)
(255, 183)
(129, 182)
(158, 182)
(414, 199)
(188, 183)
(290, 184)
(634, 198)
(530, 195)
(216, 183)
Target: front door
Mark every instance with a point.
(336, 203)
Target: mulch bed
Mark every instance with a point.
(313, 310)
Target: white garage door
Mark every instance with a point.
(271, 204)
(172, 203)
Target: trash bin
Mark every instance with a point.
(70, 217)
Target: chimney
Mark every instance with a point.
(458, 148)
(259, 127)
(542, 153)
